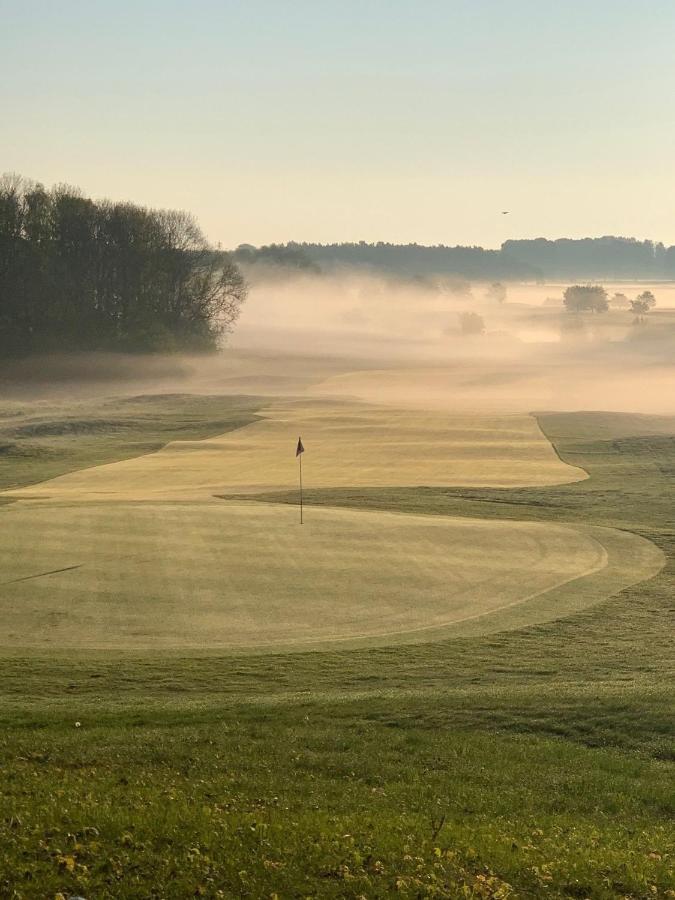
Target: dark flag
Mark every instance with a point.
(300, 449)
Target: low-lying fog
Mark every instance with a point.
(443, 343)
(454, 344)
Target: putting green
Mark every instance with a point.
(225, 575)
(348, 445)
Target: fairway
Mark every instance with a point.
(140, 555)
(348, 445)
(246, 575)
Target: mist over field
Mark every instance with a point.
(408, 340)
(403, 341)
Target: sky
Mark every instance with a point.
(273, 120)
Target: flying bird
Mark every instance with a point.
(505, 212)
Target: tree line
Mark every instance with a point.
(605, 257)
(403, 260)
(517, 260)
(593, 298)
(76, 273)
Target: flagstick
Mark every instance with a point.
(300, 458)
(298, 452)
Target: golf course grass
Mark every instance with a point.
(87, 568)
(42, 439)
(179, 576)
(529, 759)
(348, 445)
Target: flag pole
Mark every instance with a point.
(299, 450)
(300, 458)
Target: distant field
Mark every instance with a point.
(348, 445)
(500, 388)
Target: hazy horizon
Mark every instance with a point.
(275, 122)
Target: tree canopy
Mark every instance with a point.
(417, 259)
(82, 274)
(585, 298)
(604, 257)
(539, 259)
(496, 291)
(642, 304)
(275, 256)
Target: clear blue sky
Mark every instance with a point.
(401, 121)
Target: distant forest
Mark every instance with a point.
(79, 274)
(82, 274)
(403, 260)
(540, 259)
(605, 257)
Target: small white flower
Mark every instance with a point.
(78, 724)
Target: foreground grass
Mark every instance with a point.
(313, 801)
(526, 764)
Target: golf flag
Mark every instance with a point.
(299, 450)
